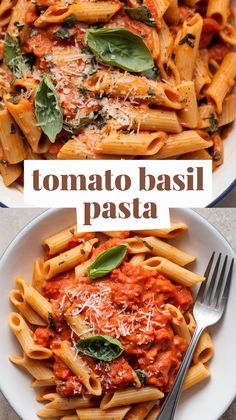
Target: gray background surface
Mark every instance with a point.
(228, 201)
(12, 220)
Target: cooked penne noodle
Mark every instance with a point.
(228, 34)
(24, 336)
(173, 271)
(172, 14)
(101, 11)
(59, 403)
(68, 259)
(79, 367)
(6, 8)
(11, 139)
(190, 322)
(142, 143)
(36, 368)
(186, 52)
(98, 414)
(22, 113)
(38, 275)
(18, 15)
(140, 88)
(140, 411)
(53, 412)
(34, 299)
(10, 173)
(42, 383)
(189, 141)
(204, 350)
(175, 230)
(229, 110)
(201, 75)
(196, 373)
(137, 259)
(60, 242)
(189, 116)
(163, 249)
(130, 396)
(153, 413)
(217, 9)
(179, 323)
(222, 81)
(26, 311)
(154, 120)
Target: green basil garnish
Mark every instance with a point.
(142, 14)
(47, 109)
(120, 48)
(102, 347)
(107, 261)
(14, 58)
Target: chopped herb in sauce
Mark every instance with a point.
(13, 129)
(213, 124)
(70, 21)
(188, 39)
(51, 322)
(63, 33)
(150, 92)
(141, 375)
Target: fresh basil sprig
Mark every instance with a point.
(120, 48)
(18, 62)
(142, 14)
(47, 109)
(107, 261)
(102, 347)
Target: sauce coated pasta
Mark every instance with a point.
(115, 80)
(110, 331)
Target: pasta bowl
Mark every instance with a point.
(207, 400)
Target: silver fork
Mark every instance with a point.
(208, 309)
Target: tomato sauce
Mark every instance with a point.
(129, 305)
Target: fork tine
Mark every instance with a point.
(209, 291)
(220, 283)
(223, 298)
(206, 274)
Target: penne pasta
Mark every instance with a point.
(163, 249)
(68, 259)
(175, 272)
(222, 81)
(79, 367)
(24, 336)
(130, 396)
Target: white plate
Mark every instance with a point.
(207, 401)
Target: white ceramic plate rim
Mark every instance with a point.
(231, 394)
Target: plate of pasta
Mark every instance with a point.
(116, 80)
(95, 325)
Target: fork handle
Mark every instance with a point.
(168, 409)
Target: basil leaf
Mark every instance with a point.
(47, 109)
(107, 261)
(142, 14)
(102, 347)
(141, 375)
(14, 58)
(73, 126)
(121, 48)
